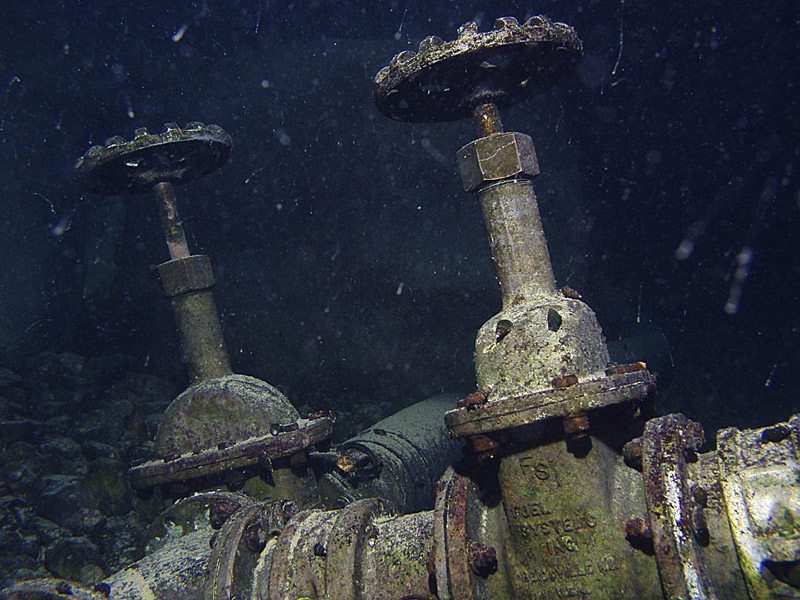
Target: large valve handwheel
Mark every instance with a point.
(444, 81)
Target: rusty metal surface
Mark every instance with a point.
(236, 549)
(487, 119)
(359, 552)
(759, 476)
(539, 347)
(595, 391)
(445, 80)
(276, 575)
(175, 155)
(171, 222)
(183, 275)
(453, 552)
(710, 520)
(231, 561)
(351, 531)
(179, 467)
(673, 512)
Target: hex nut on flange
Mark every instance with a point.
(495, 157)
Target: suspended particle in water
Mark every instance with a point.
(743, 261)
(178, 35)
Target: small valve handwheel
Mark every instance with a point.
(173, 156)
(444, 81)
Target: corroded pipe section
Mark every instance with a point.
(187, 281)
(518, 245)
(177, 572)
(499, 168)
(399, 458)
(358, 552)
(201, 336)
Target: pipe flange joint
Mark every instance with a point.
(496, 157)
(185, 275)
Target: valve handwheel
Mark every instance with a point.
(445, 81)
(173, 156)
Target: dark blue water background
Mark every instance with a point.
(351, 267)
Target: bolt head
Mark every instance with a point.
(495, 157)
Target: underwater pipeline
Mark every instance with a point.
(550, 481)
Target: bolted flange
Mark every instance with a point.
(565, 397)
(256, 451)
